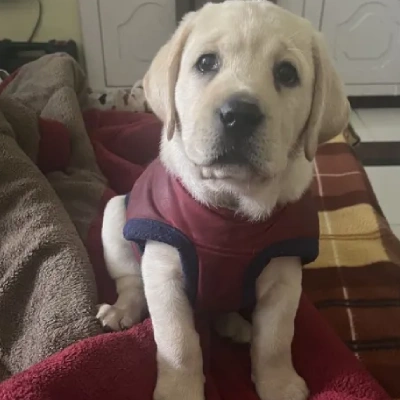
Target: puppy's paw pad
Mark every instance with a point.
(116, 319)
(233, 326)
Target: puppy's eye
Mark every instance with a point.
(207, 63)
(286, 74)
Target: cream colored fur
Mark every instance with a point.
(250, 37)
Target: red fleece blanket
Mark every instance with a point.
(121, 366)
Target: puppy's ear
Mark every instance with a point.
(160, 80)
(330, 109)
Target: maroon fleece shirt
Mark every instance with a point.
(222, 253)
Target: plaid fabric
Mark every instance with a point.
(355, 282)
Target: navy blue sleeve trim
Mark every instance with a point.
(307, 249)
(142, 230)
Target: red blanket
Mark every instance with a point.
(122, 366)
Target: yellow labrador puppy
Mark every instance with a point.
(246, 91)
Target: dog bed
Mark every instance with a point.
(60, 163)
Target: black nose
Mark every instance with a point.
(240, 116)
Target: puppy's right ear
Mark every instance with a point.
(160, 80)
(330, 108)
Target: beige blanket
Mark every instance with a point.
(47, 291)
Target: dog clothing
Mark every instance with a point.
(222, 253)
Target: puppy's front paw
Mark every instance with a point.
(281, 385)
(117, 319)
(175, 385)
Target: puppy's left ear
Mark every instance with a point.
(160, 80)
(330, 108)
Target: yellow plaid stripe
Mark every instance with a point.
(338, 139)
(350, 237)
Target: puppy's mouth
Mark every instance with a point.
(231, 158)
(232, 165)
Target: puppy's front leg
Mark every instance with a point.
(278, 295)
(179, 358)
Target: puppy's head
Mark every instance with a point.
(244, 88)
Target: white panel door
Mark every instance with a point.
(295, 6)
(364, 38)
(132, 32)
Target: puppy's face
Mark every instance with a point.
(244, 91)
(249, 89)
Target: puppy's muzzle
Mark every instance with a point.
(240, 118)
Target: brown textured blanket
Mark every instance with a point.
(47, 291)
(51, 199)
